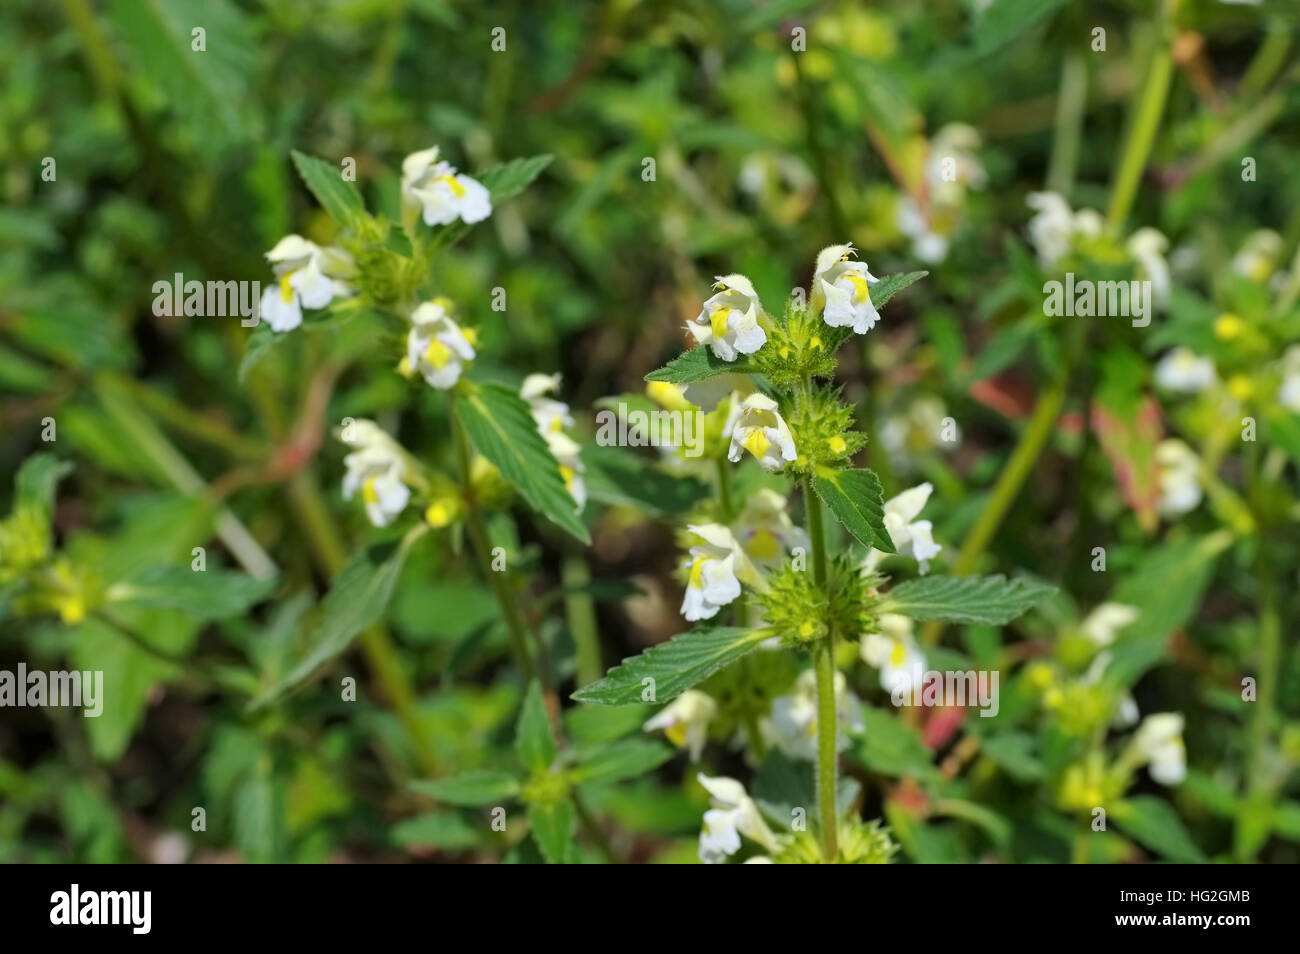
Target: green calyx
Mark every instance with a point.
(860, 843)
(802, 614)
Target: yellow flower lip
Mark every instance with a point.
(440, 513)
(837, 445)
(718, 321)
(757, 443)
(1228, 326)
(437, 354)
(457, 189)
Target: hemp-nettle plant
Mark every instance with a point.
(761, 586)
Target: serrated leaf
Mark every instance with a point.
(621, 760)
(471, 788)
(552, 826)
(991, 600)
(674, 666)
(854, 496)
(699, 364)
(208, 87)
(891, 285)
(357, 599)
(336, 195)
(534, 743)
(206, 595)
(501, 427)
(1153, 823)
(511, 178)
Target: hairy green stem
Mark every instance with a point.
(581, 612)
(1068, 130)
(824, 664)
(1149, 107)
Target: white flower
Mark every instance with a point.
(728, 322)
(765, 529)
(715, 568)
(1183, 371)
(1288, 395)
(921, 426)
(685, 721)
(733, 813)
(376, 468)
(894, 652)
(1159, 741)
(566, 452)
(844, 286)
(1177, 474)
(551, 415)
(911, 537)
(441, 193)
(436, 346)
(953, 148)
(1103, 622)
(307, 276)
(756, 426)
(1052, 226)
(794, 716)
(1258, 255)
(927, 244)
(1148, 247)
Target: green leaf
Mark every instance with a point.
(534, 743)
(892, 748)
(357, 599)
(1153, 823)
(501, 427)
(36, 482)
(206, 595)
(208, 88)
(891, 285)
(336, 195)
(471, 788)
(443, 830)
(552, 825)
(855, 498)
(699, 364)
(616, 476)
(1013, 752)
(621, 760)
(992, 600)
(673, 666)
(511, 178)
(1004, 20)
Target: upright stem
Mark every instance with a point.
(824, 665)
(1069, 124)
(1149, 107)
(1006, 489)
